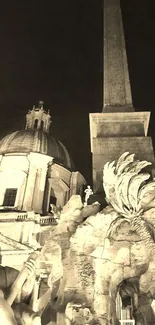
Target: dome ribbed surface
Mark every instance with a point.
(26, 141)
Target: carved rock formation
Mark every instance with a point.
(106, 251)
(100, 264)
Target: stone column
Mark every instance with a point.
(28, 197)
(31, 229)
(46, 200)
(35, 186)
(24, 233)
(39, 189)
(42, 164)
(73, 183)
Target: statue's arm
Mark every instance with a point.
(27, 287)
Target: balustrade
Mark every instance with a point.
(127, 322)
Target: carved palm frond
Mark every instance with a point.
(127, 188)
(129, 191)
(140, 225)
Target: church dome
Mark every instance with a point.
(36, 138)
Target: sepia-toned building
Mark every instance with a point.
(36, 171)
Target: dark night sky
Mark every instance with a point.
(52, 50)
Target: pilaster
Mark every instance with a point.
(38, 197)
(28, 197)
(35, 187)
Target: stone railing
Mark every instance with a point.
(16, 216)
(22, 216)
(47, 220)
(127, 322)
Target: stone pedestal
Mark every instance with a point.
(115, 133)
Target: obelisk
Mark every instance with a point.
(118, 128)
(116, 88)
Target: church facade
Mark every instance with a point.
(36, 171)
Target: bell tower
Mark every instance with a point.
(118, 128)
(38, 118)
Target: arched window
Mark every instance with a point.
(35, 124)
(42, 125)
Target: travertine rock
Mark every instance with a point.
(77, 314)
(102, 252)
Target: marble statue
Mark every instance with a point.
(15, 292)
(55, 212)
(88, 191)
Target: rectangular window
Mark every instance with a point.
(10, 197)
(53, 200)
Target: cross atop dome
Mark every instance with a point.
(38, 118)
